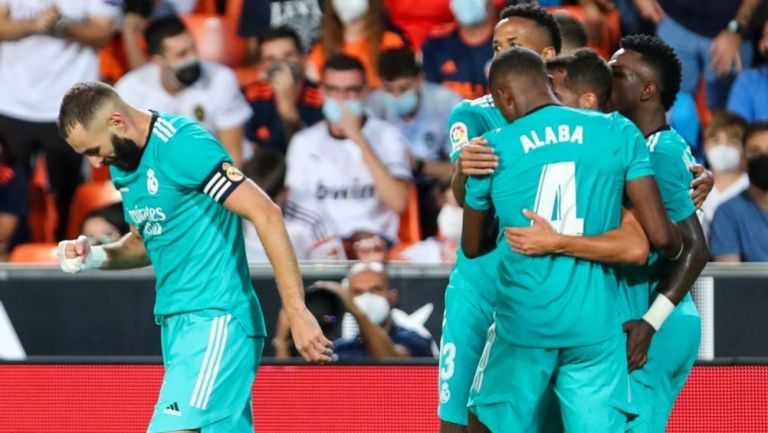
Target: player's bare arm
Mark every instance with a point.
(672, 289)
(126, 253)
(662, 232)
(472, 233)
(626, 244)
(701, 185)
(253, 204)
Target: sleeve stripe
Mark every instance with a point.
(167, 125)
(222, 190)
(222, 180)
(211, 182)
(160, 135)
(160, 127)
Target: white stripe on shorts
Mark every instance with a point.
(213, 339)
(216, 366)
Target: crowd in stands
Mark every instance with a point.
(338, 109)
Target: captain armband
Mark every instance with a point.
(222, 181)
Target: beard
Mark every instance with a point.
(127, 154)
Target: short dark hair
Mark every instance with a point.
(80, 104)
(558, 62)
(282, 32)
(731, 123)
(267, 169)
(397, 63)
(160, 29)
(571, 29)
(586, 71)
(343, 62)
(514, 63)
(112, 213)
(660, 57)
(754, 129)
(540, 16)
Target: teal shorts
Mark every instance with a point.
(673, 352)
(591, 384)
(210, 364)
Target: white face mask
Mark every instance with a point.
(374, 306)
(723, 157)
(449, 221)
(350, 10)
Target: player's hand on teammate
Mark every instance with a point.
(702, 185)
(639, 334)
(308, 338)
(540, 238)
(73, 254)
(477, 159)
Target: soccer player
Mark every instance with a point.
(184, 201)
(644, 63)
(470, 294)
(556, 317)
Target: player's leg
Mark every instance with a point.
(509, 385)
(210, 366)
(592, 384)
(466, 320)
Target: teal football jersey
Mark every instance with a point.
(570, 167)
(194, 243)
(671, 159)
(470, 119)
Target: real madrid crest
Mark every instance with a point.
(199, 113)
(233, 174)
(152, 184)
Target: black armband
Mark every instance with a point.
(222, 181)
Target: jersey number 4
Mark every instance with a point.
(556, 198)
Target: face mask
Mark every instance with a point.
(404, 104)
(469, 12)
(757, 169)
(332, 108)
(375, 307)
(188, 73)
(350, 10)
(723, 157)
(127, 154)
(449, 221)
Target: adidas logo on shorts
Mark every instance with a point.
(173, 409)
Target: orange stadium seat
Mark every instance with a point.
(705, 114)
(89, 196)
(206, 7)
(216, 38)
(43, 217)
(410, 228)
(38, 253)
(610, 35)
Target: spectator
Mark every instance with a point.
(14, 206)
(458, 55)
(739, 231)
(749, 94)
(45, 48)
(724, 148)
(709, 36)
(420, 110)
(572, 31)
(440, 249)
(178, 82)
(357, 28)
(355, 165)
(259, 16)
(282, 101)
(105, 225)
(369, 299)
(367, 247)
(310, 235)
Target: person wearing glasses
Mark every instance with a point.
(354, 165)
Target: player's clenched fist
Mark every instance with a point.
(76, 256)
(309, 339)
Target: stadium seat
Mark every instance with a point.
(43, 217)
(609, 39)
(38, 253)
(410, 228)
(216, 38)
(705, 114)
(206, 7)
(89, 196)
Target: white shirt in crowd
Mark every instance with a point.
(427, 132)
(717, 197)
(332, 171)
(214, 100)
(310, 236)
(36, 71)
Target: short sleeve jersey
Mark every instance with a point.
(196, 245)
(570, 167)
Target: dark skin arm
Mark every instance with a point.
(649, 210)
(473, 233)
(674, 286)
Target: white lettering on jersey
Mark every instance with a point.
(564, 134)
(151, 214)
(354, 191)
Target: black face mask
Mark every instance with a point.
(757, 169)
(188, 73)
(127, 154)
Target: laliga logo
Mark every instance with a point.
(152, 183)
